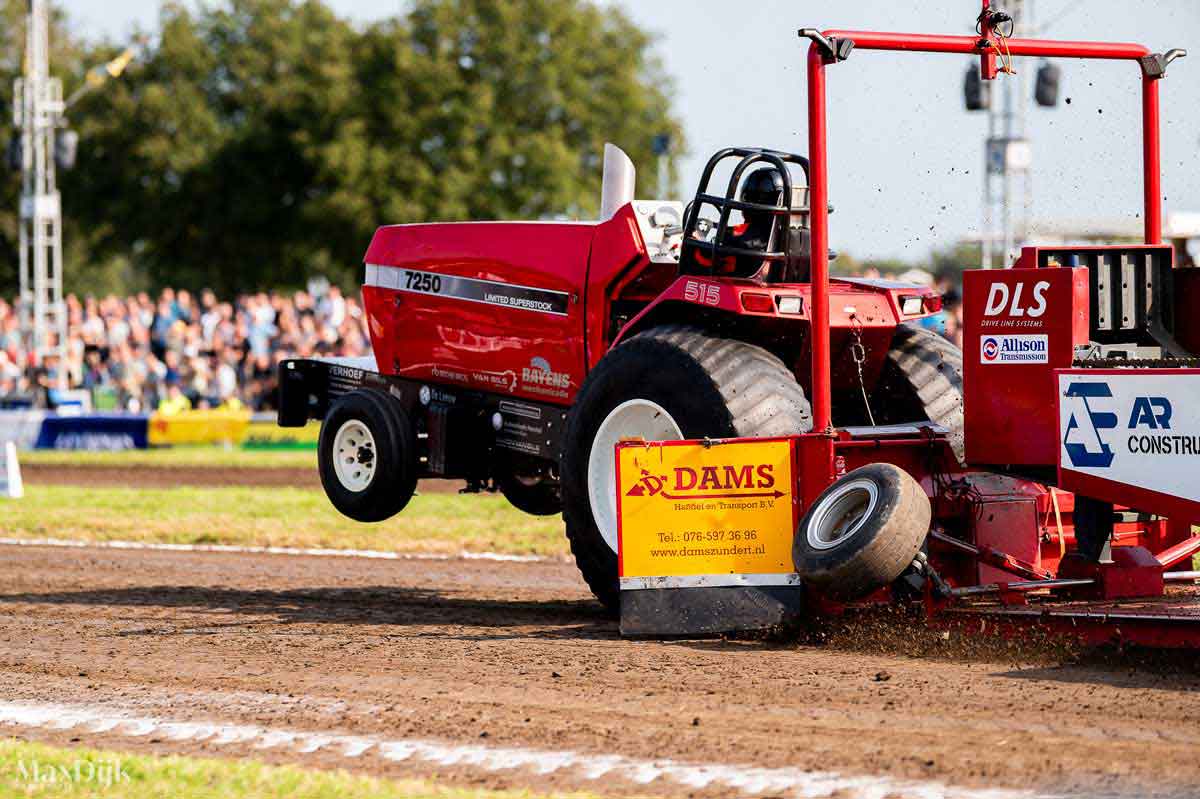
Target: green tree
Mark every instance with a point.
(508, 104)
(195, 165)
(949, 262)
(259, 142)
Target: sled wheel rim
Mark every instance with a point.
(635, 418)
(354, 456)
(841, 514)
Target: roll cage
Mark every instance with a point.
(718, 247)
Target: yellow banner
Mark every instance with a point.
(686, 509)
(268, 435)
(198, 427)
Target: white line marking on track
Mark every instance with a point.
(748, 781)
(374, 554)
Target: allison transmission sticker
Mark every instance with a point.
(692, 515)
(489, 292)
(1014, 349)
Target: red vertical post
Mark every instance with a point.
(1150, 160)
(818, 194)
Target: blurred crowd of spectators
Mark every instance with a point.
(181, 351)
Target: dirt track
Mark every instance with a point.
(452, 650)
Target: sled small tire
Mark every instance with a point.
(862, 532)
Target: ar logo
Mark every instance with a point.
(1153, 413)
(1084, 444)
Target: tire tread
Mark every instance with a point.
(923, 369)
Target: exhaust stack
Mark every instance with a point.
(619, 180)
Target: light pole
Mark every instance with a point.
(661, 145)
(37, 111)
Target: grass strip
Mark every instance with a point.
(176, 457)
(36, 770)
(271, 516)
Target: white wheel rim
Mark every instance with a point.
(635, 418)
(354, 458)
(842, 513)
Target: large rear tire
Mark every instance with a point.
(367, 456)
(922, 380)
(666, 383)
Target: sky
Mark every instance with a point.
(905, 157)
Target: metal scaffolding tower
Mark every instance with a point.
(37, 112)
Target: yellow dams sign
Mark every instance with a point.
(695, 515)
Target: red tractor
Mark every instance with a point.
(515, 355)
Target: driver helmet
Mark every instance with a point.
(763, 186)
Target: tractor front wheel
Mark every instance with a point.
(665, 384)
(367, 456)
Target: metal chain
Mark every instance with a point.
(859, 353)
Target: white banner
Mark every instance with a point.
(1134, 427)
(10, 472)
(21, 427)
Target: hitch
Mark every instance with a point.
(833, 48)
(993, 54)
(1154, 66)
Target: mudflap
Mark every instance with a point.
(687, 612)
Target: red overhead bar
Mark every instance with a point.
(969, 45)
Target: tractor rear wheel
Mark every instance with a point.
(922, 379)
(667, 383)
